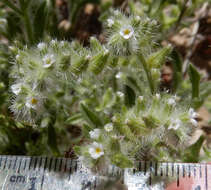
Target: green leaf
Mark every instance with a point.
(77, 150)
(157, 59)
(207, 152)
(205, 90)
(121, 161)
(52, 142)
(90, 116)
(40, 21)
(177, 65)
(195, 80)
(86, 129)
(192, 153)
(130, 96)
(74, 119)
(114, 145)
(132, 82)
(107, 101)
(154, 7)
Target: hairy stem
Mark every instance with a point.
(148, 73)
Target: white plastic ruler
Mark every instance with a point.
(43, 173)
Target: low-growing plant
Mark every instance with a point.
(112, 92)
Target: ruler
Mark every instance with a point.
(46, 173)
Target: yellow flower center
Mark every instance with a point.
(98, 150)
(34, 101)
(48, 61)
(126, 31)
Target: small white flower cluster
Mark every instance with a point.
(48, 61)
(193, 115)
(175, 124)
(96, 150)
(126, 33)
(35, 73)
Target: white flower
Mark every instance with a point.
(141, 98)
(138, 18)
(17, 57)
(88, 57)
(32, 102)
(62, 43)
(16, 88)
(192, 114)
(53, 42)
(175, 124)
(41, 46)
(126, 32)
(118, 75)
(154, 22)
(48, 60)
(108, 127)
(116, 12)
(96, 150)
(94, 134)
(171, 102)
(157, 96)
(120, 94)
(114, 119)
(110, 22)
(106, 51)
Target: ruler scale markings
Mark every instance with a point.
(19, 166)
(70, 170)
(189, 170)
(40, 164)
(30, 163)
(65, 166)
(172, 169)
(60, 165)
(161, 169)
(45, 163)
(200, 172)
(150, 173)
(206, 178)
(10, 163)
(55, 164)
(145, 167)
(178, 169)
(194, 170)
(183, 170)
(15, 162)
(35, 162)
(5, 163)
(167, 169)
(24, 165)
(122, 174)
(76, 166)
(139, 166)
(156, 168)
(50, 164)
